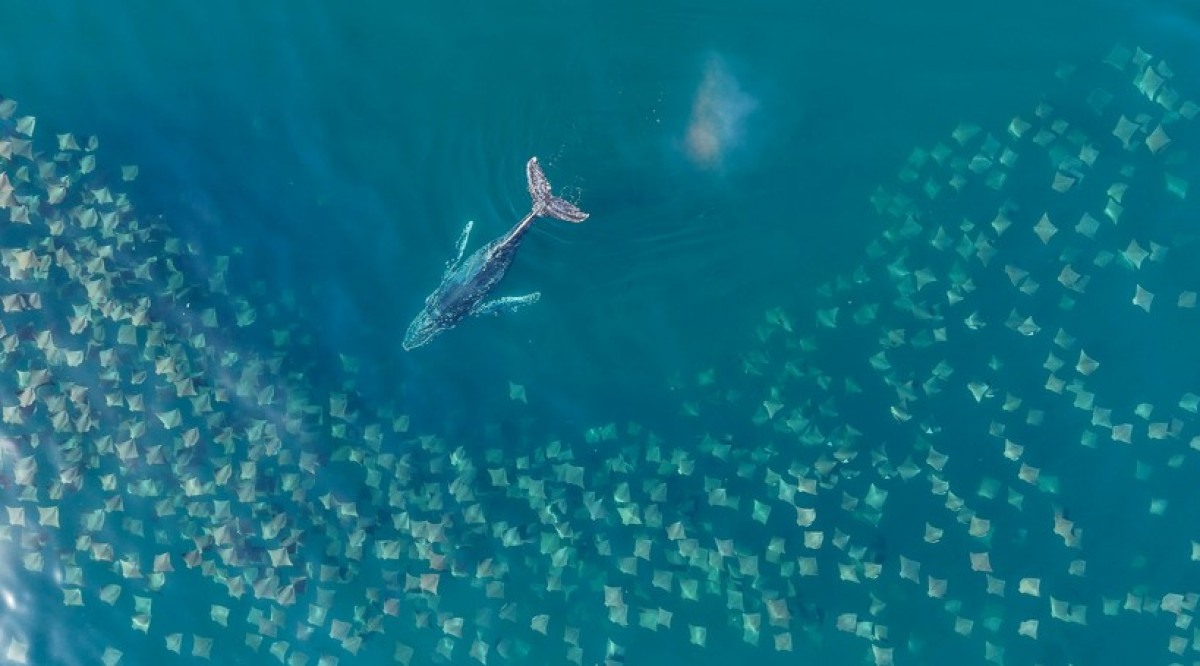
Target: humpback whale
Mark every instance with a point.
(466, 283)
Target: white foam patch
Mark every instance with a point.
(719, 113)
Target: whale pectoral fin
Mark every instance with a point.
(506, 304)
(460, 247)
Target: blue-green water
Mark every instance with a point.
(335, 155)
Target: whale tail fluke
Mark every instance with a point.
(545, 204)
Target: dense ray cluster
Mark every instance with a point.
(887, 476)
(988, 317)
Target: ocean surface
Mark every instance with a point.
(878, 345)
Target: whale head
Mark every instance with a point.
(422, 329)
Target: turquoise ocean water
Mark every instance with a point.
(746, 313)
